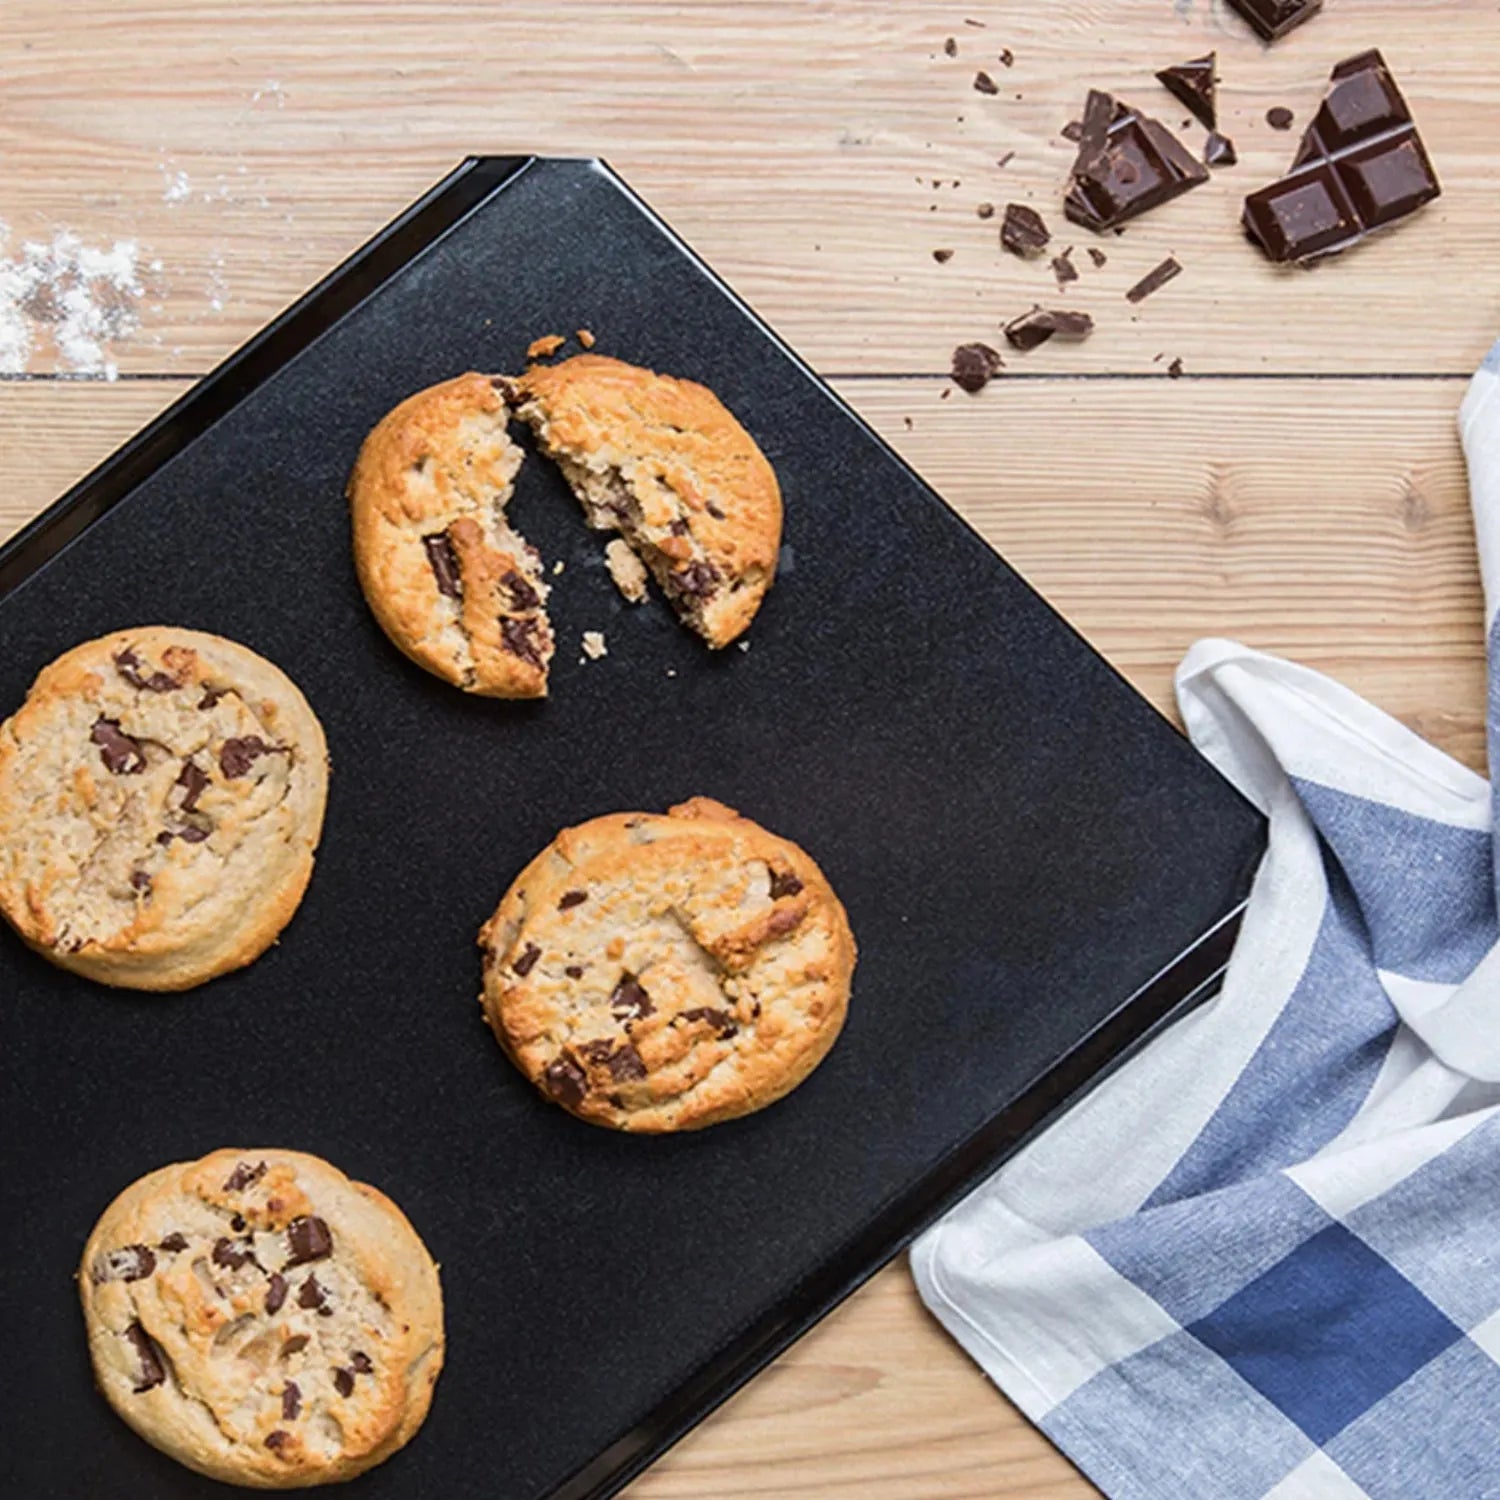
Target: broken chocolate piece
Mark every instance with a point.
(942, 257)
(519, 633)
(566, 1081)
(148, 1351)
(1063, 267)
(1360, 167)
(232, 1254)
(569, 899)
(522, 594)
(308, 1239)
(985, 84)
(343, 1381)
(238, 755)
(121, 755)
(629, 1000)
(1099, 258)
(244, 1174)
(524, 964)
(129, 665)
(1274, 18)
(275, 1293)
(362, 1363)
(291, 1401)
(784, 883)
(1279, 117)
(1037, 326)
(1129, 165)
(1174, 370)
(1154, 280)
(1072, 131)
(696, 579)
(721, 1021)
(1007, 58)
(625, 1064)
(1023, 231)
(951, 46)
(311, 1295)
(128, 1263)
(443, 561)
(974, 366)
(1218, 150)
(1195, 85)
(173, 1243)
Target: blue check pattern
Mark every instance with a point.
(1264, 1260)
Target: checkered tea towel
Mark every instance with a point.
(1263, 1259)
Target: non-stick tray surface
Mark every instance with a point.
(1023, 845)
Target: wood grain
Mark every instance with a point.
(1149, 512)
(795, 144)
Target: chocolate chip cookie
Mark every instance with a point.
(664, 972)
(448, 579)
(663, 463)
(263, 1319)
(161, 796)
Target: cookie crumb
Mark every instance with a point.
(627, 570)
(586, 338)
(743, 645)
(671, 671)
(558, 566)
(545, 347)
(593, 644)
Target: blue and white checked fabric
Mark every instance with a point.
(1263, 1259)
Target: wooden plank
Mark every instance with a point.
(1149, 512)
(795, 145)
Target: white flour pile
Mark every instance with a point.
(85, 298)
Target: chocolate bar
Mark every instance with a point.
(1361, 166)
(1274, 18)
(1195, 85)
(1127, 163)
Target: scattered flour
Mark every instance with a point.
(179, 187)
(85, 297)
(272, 91)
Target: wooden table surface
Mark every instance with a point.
(1300, 487)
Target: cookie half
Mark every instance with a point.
(448, 579)
(161, 796)
(263, 1319)
(664, 972)
(665, 464)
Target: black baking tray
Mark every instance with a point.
(1038, 868)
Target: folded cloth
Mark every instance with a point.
(1263, 1259)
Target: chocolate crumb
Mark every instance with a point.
(311, 1295)
(570, 899)
(942, 257)
(1007, 58)
(1063, 267)
(1154, 280)
(291, 1401)
(1099, 258)
(985, 84)
(362, 1363)
(985, 211)
(343, 1382)
(275, 1293)
(574, 971)
(1006, 160)
(1174, 370)
(951, 46)
(524, 964)
(1279, 117)
(974, 366)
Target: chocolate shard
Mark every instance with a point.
(361, 1363)
(526, 961)
(985, 84)
(1034, 328)
(244, 1173)
(784, 883)
(443, 561)
(122, 756)
(343, 1381)
(275, 1293)
(629, 1000)
(721, 1021)
(1195, 84)
(565, 1080)
(1126, 166)
(974, 366)
(569, 899)
(307, 1239)
(291, 1401)
(129, 665)
(519, 587)
(1218, 151)
(153, 1366)
(519, 634)
(311, 1295)
(1023, 231)
(1154, 280)
(1274, 18)
(1361, 166)
(1063, 268)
